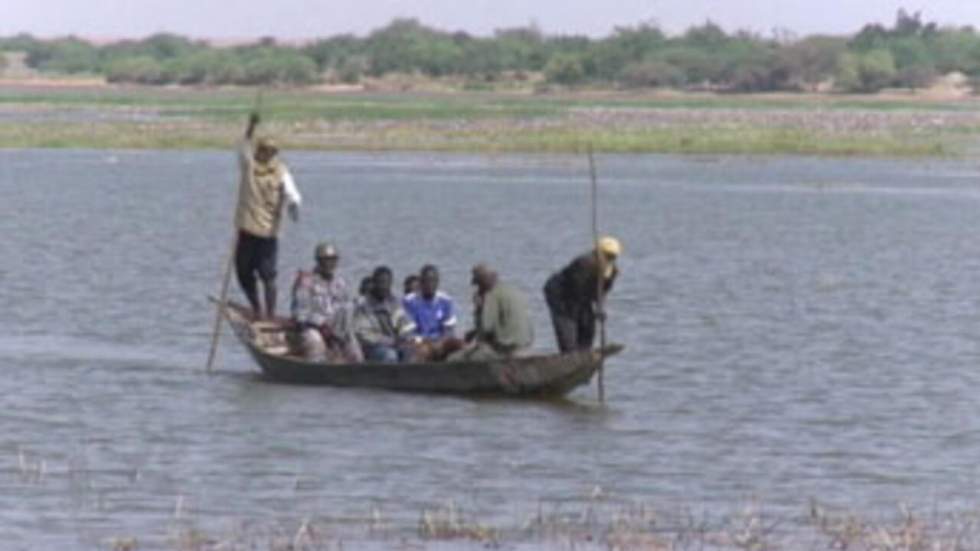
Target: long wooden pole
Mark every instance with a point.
(226, 279)
(599, 277)
(221, 305)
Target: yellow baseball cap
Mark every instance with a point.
(610, 246)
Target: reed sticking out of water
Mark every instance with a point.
(629, 527)
(448, 523)
(30, 471)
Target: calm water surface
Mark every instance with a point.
(795, 329)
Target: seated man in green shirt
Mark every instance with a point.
(503, 324)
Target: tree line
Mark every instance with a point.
(909, 54)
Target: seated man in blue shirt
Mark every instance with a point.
(434, 315)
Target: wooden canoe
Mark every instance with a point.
(532, 376)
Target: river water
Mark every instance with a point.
(796, 329)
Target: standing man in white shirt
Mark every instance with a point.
(265, 188)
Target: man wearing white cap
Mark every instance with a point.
(572, 294)
(266, 186)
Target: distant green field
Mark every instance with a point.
(287, 105)
(491, 122)
(220, 102)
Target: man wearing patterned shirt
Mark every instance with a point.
(380, 322)
(323, 310)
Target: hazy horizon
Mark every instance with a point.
(291, 20)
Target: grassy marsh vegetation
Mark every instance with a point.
(594, 525)
(189, 118)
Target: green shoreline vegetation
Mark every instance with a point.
(908, 90)
(911, 54)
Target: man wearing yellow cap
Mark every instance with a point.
(265, 187)
(572, 294)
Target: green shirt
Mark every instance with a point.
(503, 319)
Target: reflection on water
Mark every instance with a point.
(795, 328)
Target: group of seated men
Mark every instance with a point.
(376, 326)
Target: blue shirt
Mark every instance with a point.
(434, 319)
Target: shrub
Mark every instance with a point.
(866, 73)
(652, 74)
(564, 69)
(142, 70)
(916, 76)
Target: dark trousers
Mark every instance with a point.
(255, 256)
(573, 320)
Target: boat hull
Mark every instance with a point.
(541, 376)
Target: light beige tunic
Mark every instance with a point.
(262, 191)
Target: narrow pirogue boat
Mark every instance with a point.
(533, 376)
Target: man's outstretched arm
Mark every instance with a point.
(253, 121)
